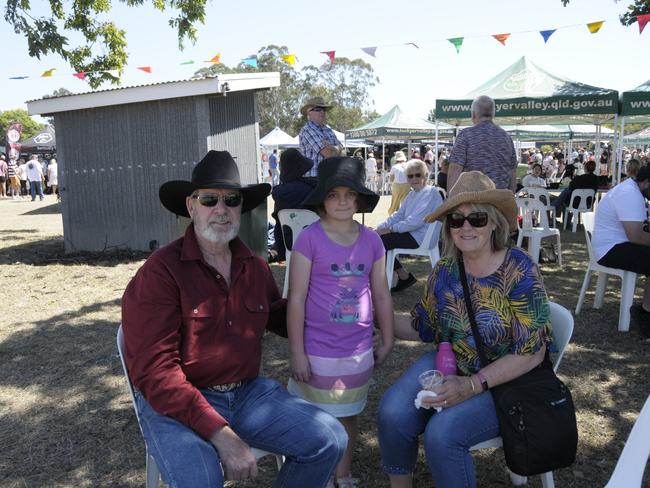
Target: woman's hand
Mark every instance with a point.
(454, 390)
(299, 365)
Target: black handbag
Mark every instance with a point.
(537, 419)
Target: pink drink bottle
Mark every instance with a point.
(446, 359)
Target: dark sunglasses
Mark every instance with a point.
(414, 175)
(318, 109)
(210, 200)
(475, 219)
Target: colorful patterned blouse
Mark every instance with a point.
(510, 306)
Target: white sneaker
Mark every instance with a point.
(330, 483)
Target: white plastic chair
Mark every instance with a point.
(582, 201)
(429, 247)
(543, 196)
(562, 322)
(628, 280)
(529, 207)
(630, 467)
(296, 219)
(153, 473)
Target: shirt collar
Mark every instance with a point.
(313, 124)
(191, 251)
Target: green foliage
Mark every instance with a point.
(104, 44)
(61, 92)
(638, 7)
(7, 117)
(345, 84)
(546, 148)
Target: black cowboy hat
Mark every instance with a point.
(342, 171)
(293, 165)
(216, 170)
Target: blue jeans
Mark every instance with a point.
(448, 435)
(36, 187)
(265, 416)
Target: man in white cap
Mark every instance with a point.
(317, 139)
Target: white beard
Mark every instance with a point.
(216, 236)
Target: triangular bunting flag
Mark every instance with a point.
(412, 44)
(187, 62)
(457, 42)
(251, 61)
(290, 59)
(146, 69)
(595, 26)
(48, 73)
(216, 59)
(113, 72)
(81, 75)
(18, 77)
(329, 54)
(642, 20)
(370, 51)
(546, 34)
(501, 38)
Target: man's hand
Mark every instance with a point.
(330, 151)
(236, 456)
(299, 364)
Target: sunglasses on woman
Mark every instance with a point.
(475, 219)
(211, 199)
(414, 175)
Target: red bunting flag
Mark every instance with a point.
(642, 20)
(81, 75)
(501, 38)
(329, 54)
(146, 69)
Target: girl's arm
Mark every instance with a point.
(383, 304)
(299, 274)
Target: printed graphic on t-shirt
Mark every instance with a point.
(346, 308)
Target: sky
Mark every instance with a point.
(616, 57)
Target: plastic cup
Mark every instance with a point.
(430, 379)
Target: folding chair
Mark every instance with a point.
(543, 196)
(628, 280)
(527, 208)
(582, 201)
(295, 220)
(629, 469)
(153, 473)
(429, 247)
(562, 322)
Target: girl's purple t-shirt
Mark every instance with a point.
(338, 310)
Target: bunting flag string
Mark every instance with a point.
(546, 34)
(290, 59)
(501, 38)
(595, 26)
(329, 54)
(457, 42)
(642, 20)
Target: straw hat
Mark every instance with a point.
(475, 187)
(400, 157)
(314, 102)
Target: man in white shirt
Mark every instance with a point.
(34, 173)
(619, 239)
(371, 172)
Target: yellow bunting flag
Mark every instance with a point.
(290, 59)
(48, 73)
(216, 59)
(501, 38)
(146, 69)
(595, 26)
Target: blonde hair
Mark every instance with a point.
(500, 235)
(419, 164)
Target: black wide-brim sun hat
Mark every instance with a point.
(217, 170)
(342, 171)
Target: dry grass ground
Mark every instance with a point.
(66, 420)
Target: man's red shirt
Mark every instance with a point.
(185, 329)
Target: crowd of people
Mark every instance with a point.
(32, 177)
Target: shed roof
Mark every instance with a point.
(220, 84)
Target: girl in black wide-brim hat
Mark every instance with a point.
(337, 274)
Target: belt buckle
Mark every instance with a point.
(225, 388)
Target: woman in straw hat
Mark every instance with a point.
(512, 315)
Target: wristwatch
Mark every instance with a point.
(484, 383)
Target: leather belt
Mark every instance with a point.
(225, 388)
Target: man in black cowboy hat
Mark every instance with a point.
(317, 139)
(193, 320)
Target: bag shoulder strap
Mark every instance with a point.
(470, 313)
